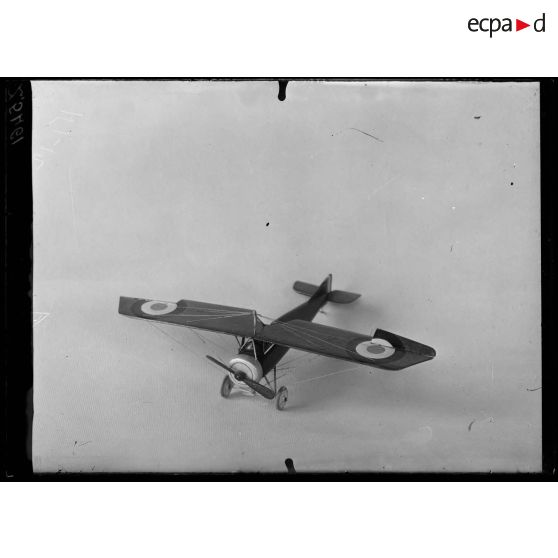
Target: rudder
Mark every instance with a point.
(324, 288)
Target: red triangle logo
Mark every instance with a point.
(519, 25)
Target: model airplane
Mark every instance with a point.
(262, 346)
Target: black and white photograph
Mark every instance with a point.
(309, 275)
(278, 278)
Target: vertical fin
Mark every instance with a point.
(324, 288)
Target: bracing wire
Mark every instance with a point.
(198, 335)
(289, 369)
(175, 340)
(206, 340)
(198, 306)
(191, 330)
(337, 372)
(327, 375)
(300, 357)
(310, 337)
(313, 339)
(299, 330)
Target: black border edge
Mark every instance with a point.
(549, 333)
(17, 381)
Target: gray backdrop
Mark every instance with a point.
(164, 189)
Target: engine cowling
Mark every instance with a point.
(248, 365)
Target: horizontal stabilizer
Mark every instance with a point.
(339, 297)
(342, 297)
(306, 289)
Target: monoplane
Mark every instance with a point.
(262, 346)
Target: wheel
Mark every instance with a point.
(226, 387)
(281, 399)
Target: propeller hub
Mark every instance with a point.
(245, 367)
(250, 377)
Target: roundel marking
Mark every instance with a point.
(157, 308)
(375, 349)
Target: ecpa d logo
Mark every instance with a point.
(492, 25)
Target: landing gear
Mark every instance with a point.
(281, 399)
(280, 395)
(226, 387)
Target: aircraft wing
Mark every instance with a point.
(190, 313)
(382, 350)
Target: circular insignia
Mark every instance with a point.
(375, 349)
(157, 308)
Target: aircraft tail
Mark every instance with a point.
(314, 291)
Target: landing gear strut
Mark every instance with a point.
(281, 394)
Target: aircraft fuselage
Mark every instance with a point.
(268, 354)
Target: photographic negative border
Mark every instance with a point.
(17, 384)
